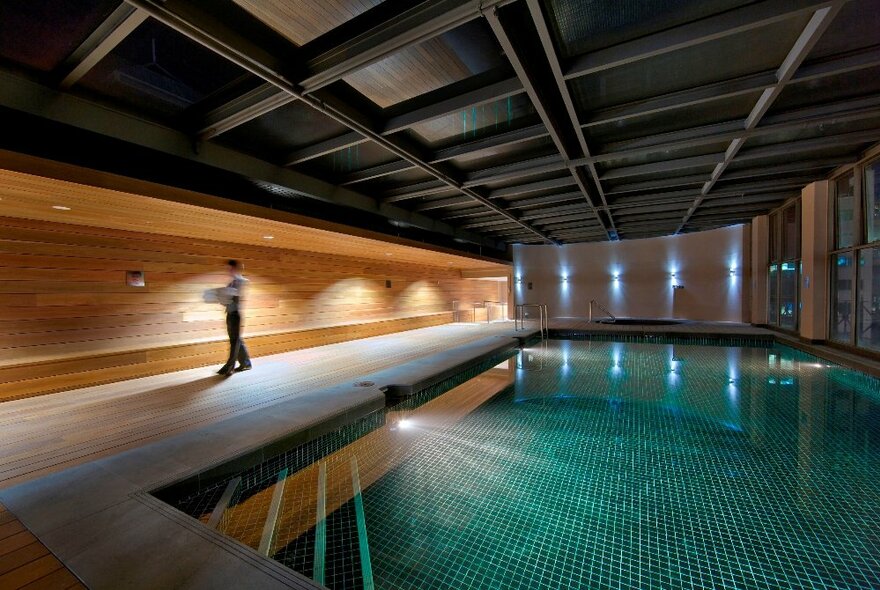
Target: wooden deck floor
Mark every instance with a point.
(25, 563)
(52, 432)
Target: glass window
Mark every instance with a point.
(872, 200)
(773, 298)
(788, 286)
(841, 296)
(845, 204)
(791, 234)
(869, 299)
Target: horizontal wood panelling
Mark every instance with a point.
(71, 321)
(30, 188)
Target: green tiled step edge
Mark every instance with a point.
(759, 341)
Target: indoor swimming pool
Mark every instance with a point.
(582, 464)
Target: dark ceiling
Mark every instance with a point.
(482, 124)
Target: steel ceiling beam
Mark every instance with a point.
(241, 109)
(451, 99)
(702, 94)
(543, 91)
(806, 145)
(554, 199)
(100, 43)
(365, 43)
(818, 24)
(530, 167)
(728, 23)
(850, 110)
(530, 187)
(443, 203)
(658, 200)
(550, 212)
(539, 18)
(224, 40)
(665, 166)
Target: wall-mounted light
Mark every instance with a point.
(564, 278)
(732, 270)
(61, 207)
(268, 237)
(519, 279)
(615, 276)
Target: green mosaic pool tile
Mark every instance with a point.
(628, 465)
(649, 483)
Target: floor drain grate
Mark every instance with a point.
(364, 384)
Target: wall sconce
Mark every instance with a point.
(519, 280)
(616, 276)
(564, 278)
(732, 271)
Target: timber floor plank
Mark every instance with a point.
(25, 563)
(44, 434)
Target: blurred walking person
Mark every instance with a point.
(232, 297)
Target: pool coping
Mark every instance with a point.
(101, 521)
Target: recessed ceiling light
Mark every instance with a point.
(268, 237)
(61, 207)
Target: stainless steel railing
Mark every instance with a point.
(543, 317)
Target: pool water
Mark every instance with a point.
(582, 464)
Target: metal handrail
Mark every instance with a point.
(488, 303)
(543, 318)
(603, 308)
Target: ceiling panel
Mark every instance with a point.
(159, 71)
(714, 61)
(302, 21)
(581, 26)
(40, 34)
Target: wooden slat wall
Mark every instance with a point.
(69, 319)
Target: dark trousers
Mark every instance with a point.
(237, 349)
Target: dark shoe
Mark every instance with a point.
(241, 368)
(225, 371)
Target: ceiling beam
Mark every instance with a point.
(728, 23)
(539, 18)
(531, 187)
(536, 72)
(554, 199)
(243, 108)
(223, 39)
(514, 170)
(365, 42)
(100, 43)
(860, 59)
(805, 42)
(416, 24)
(451, 99)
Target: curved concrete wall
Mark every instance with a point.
(567, 277)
